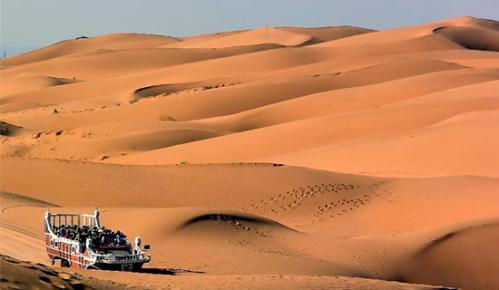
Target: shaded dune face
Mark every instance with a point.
(21, 200)
(153, 91)
(228, 218)
(466, 251)
(230, 222)
(9, 130)
(322, 34)
(269, 158)
(471, 37)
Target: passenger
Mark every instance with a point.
(120, 238)
(103, 242)
(100, 237)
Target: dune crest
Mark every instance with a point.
(263, 35)
(108, 42)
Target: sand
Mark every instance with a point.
(276, 157)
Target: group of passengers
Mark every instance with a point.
(101, 237)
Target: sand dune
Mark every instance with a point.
(413, 32)
(122, 144)
(117, 41)
(451, 253)
(286, 157)
(17, 273)
(287, 36)
(92, 171)
(322, 34)
(386, 156)
(350, 99)
(7, 129)
(21, 274)
(30, 82)
(283, 223)
(227, 69)
(270, 143)
(264, 35)
(471, 37)
(99, 64)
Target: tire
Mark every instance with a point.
(127, 267)
(65, 263)
(136, 267)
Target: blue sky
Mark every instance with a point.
(27, 24)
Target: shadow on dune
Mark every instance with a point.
(167, 271)
(23, 200)
(7, 129)
(476, 38)
(462, 258)
(237, 220)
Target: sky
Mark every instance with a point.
(29, 24)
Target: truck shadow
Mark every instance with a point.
(167, 271)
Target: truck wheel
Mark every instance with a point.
(137, 267)
(65, 263)
(126, 267)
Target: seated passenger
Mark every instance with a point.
(120, 238)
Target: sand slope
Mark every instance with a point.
(251, 37)
(238, 226)
(17, 274)
(117, 41)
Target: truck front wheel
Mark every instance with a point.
(137, 267)
(126, 267)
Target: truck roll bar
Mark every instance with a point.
(70, 219)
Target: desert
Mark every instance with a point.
(334, 157)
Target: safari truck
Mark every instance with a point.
(80, 241)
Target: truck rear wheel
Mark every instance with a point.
(65, 263)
